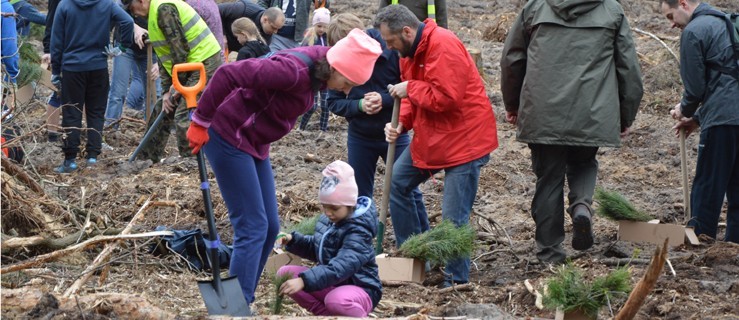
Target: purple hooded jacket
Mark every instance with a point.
(254, 102)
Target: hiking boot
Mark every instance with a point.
(67, 166)
(582, 228)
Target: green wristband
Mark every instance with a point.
(361, 103)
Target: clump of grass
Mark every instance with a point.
(443, 243)
(569, 291)
(613, 206)
(278, 280)
(307, 226)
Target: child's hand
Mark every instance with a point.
(283, 239)
(292, 286)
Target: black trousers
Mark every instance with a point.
(551, 164)
(88, 91)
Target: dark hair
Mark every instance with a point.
(396, 17)
(321, 73)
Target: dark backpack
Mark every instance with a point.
(732, 26)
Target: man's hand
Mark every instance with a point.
(685, 123)
(511, 117)
(46, 59)
(625, 133)
(677, 112)
(400, 90)
(372, 103)
(112, 51)
(391, 134)
(154, 72)
(292, 286)
(138, 35)
(169, 100)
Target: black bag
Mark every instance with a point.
(190, 245)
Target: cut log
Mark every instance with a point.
(477, 58)
(125, 306)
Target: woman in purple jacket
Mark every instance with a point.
(252, 103)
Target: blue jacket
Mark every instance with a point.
(712, 94)
(82, 30)
(9, 43)
(343, 251)
(386, 71)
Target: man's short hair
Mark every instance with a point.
(675, 3)
(273, 13)
(395, 17)
(340, 26)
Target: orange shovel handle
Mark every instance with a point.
(190, 93)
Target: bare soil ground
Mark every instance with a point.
(646, 170)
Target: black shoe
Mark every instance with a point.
(582, 226)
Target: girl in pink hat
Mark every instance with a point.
(345, 280)
(316, 36)
(248, 105)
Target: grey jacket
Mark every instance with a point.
(302, 13)
(705, 41)
(570, 70)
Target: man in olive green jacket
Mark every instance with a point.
(571, 83)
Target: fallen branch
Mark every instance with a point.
(460, 287)
(9, 243)
(105, 254)
(645, 285)
(37, 260)
(651, 35)
(20, 174)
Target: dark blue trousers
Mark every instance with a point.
(363, 155)
(716, 175)
(248, 188)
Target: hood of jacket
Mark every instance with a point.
(571, 9)
(85, 3)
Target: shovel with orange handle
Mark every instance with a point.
(221, 296)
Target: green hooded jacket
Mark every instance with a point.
(569, 69)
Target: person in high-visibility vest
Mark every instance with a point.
(423, 9)
(179, 35)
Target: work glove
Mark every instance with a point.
(198, 137)
(112, 51)
(56, 80)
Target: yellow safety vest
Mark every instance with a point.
(200, 39)
(430, 8)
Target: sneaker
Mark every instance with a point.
(67, 166)
(582, 226)
(92, 161)
(106, 146)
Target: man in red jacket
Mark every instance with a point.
(450, 115)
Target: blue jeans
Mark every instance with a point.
(28, 14)
(127, 68)
(318, 99)
(716, 175)
(248, 189)
(460, 189)
(363, 155)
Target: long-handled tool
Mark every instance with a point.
(388, 179)
(221, 296)
(150, 89)
(684, 169)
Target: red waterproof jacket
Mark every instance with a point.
(447, 107)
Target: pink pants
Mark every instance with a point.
(348, 300)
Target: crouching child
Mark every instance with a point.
(345, 281)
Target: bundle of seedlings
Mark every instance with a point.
(569, 292)
(613, 206)
(278, 280)
(307, 226)
(443, 243)
(29, 69)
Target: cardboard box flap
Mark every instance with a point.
(400, 269)
(651, 232)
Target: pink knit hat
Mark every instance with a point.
(338, 186)
(321, 15)
(354, 56)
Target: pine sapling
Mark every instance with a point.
(443, 243)
(614, 206)
(278, 280)
(569, 291)
(307, 226)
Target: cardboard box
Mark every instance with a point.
(400, 269)
(279, 259)
(24, 95)
(655, 232)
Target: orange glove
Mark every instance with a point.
(198, 137)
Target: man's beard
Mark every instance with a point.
(405, 51)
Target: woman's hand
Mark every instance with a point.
(292, 286)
